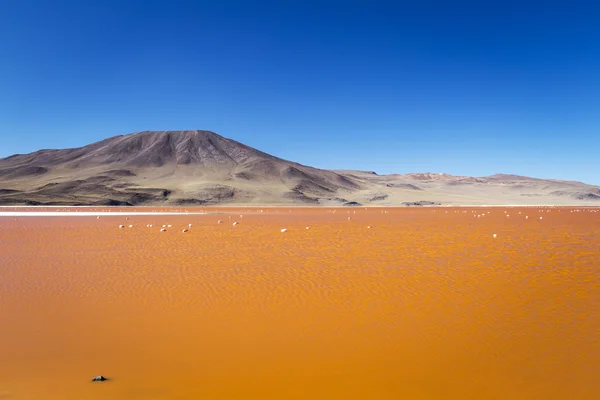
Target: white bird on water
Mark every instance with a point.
(121, 226)
(284, 230)
(235, 223)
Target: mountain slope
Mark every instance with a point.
(191, 166)
(202, 167)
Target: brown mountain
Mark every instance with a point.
(201, 167)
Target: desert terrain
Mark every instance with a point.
(201, 168)
(367, 303)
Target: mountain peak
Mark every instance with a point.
(149, 149)
(178, 133)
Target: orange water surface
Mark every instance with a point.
(426, 304)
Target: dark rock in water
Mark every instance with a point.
(421, 203)
(99, 378)
(352, 203)
(112, 202)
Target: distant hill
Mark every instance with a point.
(202, 167)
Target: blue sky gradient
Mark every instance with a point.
(462, 87)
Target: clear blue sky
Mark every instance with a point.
(463, 87)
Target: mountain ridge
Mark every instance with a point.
(203, 167)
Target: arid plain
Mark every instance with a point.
(424, 304)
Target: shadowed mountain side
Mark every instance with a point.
(201, 167)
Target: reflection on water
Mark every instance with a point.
(425, 305)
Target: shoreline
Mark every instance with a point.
(90, 214)
(31, 211)
(301, 206)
